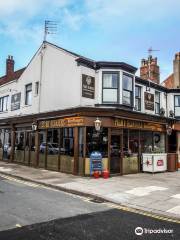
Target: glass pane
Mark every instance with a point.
(127, 97)
(137, 104)
(42, 148)
(110, 80)
(127, 82)
(29, 87)
(19, 146)
(157, 97)
(52, 149)
(177, 111)
(67, 150)
(159, 142)
(157, 108)
(137, 91)
(110, 95)
(146, 142)
(177, 101)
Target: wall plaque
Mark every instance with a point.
(149, 101)
(88, 86)
(15, 101)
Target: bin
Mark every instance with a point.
(172, 162)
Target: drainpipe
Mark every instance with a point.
(41, 73)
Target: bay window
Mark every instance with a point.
(157, 102)
(137, 98)
(110, 87)
(177, 105)
(127, 83)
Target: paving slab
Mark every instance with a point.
(157, 193)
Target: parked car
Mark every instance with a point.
(52, 148)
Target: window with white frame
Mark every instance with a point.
(157, 102)
(4, 103)
(28, 94)
(137, 98)
(127, 83)
(177, 105)
(36, 88)
(110, 85)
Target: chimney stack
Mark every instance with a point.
(176, 70)
(149, 69)
(9, 66)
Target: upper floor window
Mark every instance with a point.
(157, 102)
(110, 87)
(177, 105)
(4, 103)
(137, 98)
(28, 94)
(127, 83)
(36, 88)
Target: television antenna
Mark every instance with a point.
(150, 50)
(50, 27)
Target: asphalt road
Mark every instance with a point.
(31, 212)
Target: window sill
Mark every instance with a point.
(3, 112)
(27, 105)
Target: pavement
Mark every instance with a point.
(154, 193)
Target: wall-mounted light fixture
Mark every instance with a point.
(169, 130)
(34, 126)
(97, 124)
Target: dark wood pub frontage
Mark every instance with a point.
(63, 141)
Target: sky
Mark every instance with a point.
(111, 30)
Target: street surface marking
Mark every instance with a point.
(176, 196)
(18, 225)
(140, 212)
(144, 191)
(175, 210)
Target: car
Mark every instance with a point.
(52, 148)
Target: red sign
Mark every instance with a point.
(160, 162)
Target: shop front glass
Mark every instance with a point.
(53, 138)
(42, 148)
(96, 141)
(5, 144)
(67, 150)
(19, 154)
(130, 151)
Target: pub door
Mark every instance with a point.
(115, 153)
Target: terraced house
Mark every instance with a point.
(61, 107)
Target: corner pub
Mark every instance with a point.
(56, 121)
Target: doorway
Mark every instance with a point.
(115, 153)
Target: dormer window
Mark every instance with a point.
(110, 83)
(127, 83)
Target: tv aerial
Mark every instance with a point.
(150, 50)
(50, 27)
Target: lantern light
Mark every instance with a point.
(97, 124)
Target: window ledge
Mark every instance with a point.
(3, 112)
(27, 105)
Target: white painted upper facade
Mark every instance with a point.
(59, 77)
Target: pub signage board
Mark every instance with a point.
(149, 101)
(88, 86)
(62, 122)
(15, 101)
(133, 124)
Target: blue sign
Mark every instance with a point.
(95, 162)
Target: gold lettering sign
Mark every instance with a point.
(65, 122)
(124, 123)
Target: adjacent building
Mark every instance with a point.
(62, 107)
